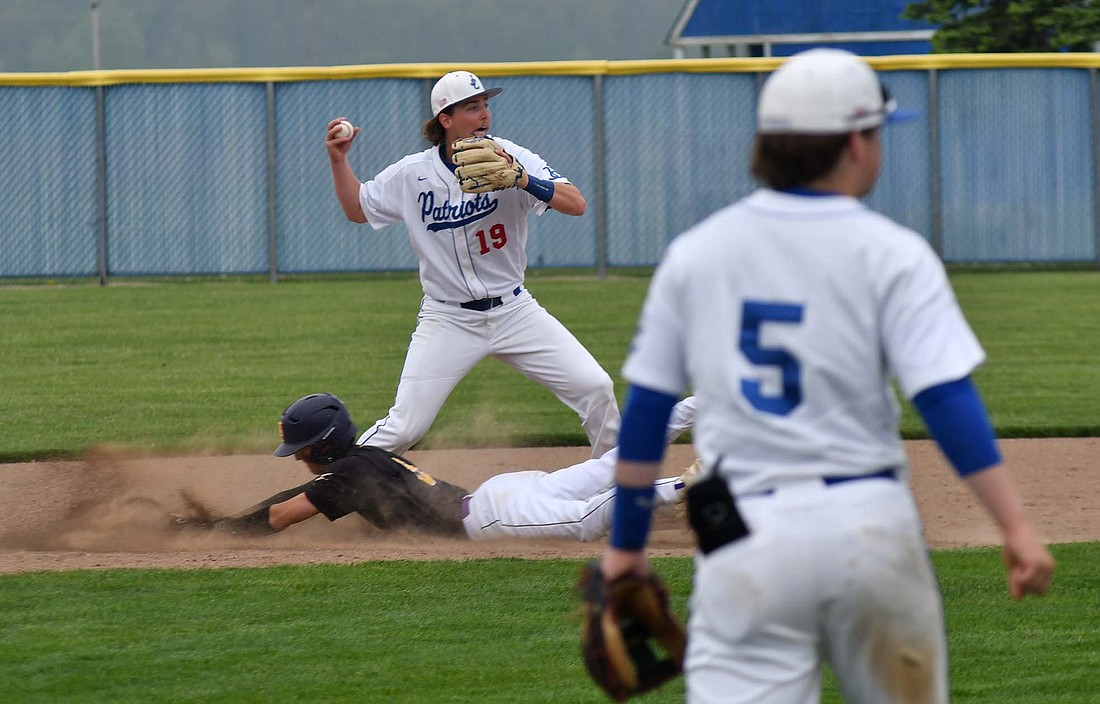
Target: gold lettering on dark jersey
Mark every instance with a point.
(422, 476)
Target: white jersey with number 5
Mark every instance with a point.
(788, 316)
(470, 245)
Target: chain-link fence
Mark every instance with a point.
(114, 175)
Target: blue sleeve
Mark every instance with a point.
(644, 423)
(641, 439)
(955, 417)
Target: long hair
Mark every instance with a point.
(432, 130)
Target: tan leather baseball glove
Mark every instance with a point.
(484, 166)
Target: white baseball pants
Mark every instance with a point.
(574, 502)
(449, 341)
(839, 574)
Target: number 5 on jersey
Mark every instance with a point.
(754, 315)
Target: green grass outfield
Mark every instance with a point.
(481, 631)
(179, 366)
(175, 367)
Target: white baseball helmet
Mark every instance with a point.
(457, 86)
(825, 91)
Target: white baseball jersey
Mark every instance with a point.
(470, 245)
(788, 315)
(473, 247)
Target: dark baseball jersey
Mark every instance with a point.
(389, 491)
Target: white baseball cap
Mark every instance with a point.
(825, 91)
(457, 86)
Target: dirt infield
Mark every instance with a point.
(109, 511)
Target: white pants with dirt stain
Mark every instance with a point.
(837, 574)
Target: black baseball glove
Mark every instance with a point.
(201, 518)
(623, 620)
(198, 516)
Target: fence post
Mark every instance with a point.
(101, 185)
(601, 176)
(936, 206)
(272, 227)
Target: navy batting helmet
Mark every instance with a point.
(320, 421)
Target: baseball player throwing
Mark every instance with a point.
(392, 493)
(789, 313)
(469, 231)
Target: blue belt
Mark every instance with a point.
(466, 505)
(484, 304)
(888, 473)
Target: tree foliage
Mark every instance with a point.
(1010, 25)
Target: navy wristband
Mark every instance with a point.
(543, 190)
(630, 516)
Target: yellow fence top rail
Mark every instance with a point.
(921, 62)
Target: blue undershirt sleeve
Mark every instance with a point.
(956, 418)
(644, 423)
(641, 439)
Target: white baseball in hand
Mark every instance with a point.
(344, 129)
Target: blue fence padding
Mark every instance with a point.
(1016, 153)
(904, 188)
(188, 189)
(48, 196)
(186, 179)
(313, 234)
(677, 150)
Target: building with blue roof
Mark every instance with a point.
(785, 27)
